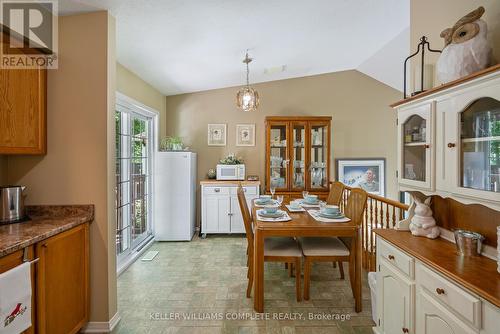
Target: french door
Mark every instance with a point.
(134, 148)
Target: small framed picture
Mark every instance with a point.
(364, 173)
(217, 134)
(245, 135)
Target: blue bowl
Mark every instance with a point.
(271, 209)
(330, 209)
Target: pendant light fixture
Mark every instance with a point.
(247, 98)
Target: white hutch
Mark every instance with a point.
(448, 145)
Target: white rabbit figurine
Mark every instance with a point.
(422, 223)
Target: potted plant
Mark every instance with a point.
(231, 159)
(171, 143)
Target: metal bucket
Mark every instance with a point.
(468, 243)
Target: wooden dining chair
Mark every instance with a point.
(336, 192)
(332, 249)
(334, 198)
(276, 249)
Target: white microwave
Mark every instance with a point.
(230, 172)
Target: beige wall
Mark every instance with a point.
(79, 164)
(133, 86)
(430, 17)
(363, 124)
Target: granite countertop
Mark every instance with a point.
(476, 273)
(45, 221)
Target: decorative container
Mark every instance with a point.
(468, 243)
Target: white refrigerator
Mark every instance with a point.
(174, 196)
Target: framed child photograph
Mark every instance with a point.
(365, 173)
(217, 134)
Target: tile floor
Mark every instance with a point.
(206, 279)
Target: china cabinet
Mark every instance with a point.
(298, 155)
(449, 140)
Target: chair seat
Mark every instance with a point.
(323, 246)
(281, 247)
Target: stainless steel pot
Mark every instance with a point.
(11, 203)
(468, 243)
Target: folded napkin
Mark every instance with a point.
(316, 216)
(283, 218)
(15, 299)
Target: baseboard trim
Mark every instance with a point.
(102, 327)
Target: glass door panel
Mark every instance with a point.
(133, 177)
(140, 176)
(278, 156)
(122, 190)
(298, 159)
(318, 172)
(415, 148)
(480, 146)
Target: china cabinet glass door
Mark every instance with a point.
(415, 147)
(480, 146)
(319, 155)
(298, 156)
(279, 160)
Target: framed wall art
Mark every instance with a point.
(364, 173)
(245, 135)
(217, 134)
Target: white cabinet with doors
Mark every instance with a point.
(414, 298)
(220, 211)
(449, 141)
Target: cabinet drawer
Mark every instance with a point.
(453, 297)
(396, 258)
(247, 190)
(216, 190)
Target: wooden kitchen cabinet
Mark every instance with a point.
(63, 282)
(23, 112)
(15, 259)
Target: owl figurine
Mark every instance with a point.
(466, 49)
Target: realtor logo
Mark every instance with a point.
(29, 34)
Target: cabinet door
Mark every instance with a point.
(298, 157)
(416, 146)
(278, 159)
(474, 144)
(23, 111)
(63, 282)
(237, 225)
(15, 259)
(216, 214)
(395, 297)
(433, 318)
(319, 156)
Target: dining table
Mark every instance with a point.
(302, 224)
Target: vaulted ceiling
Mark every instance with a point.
(181, 46)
